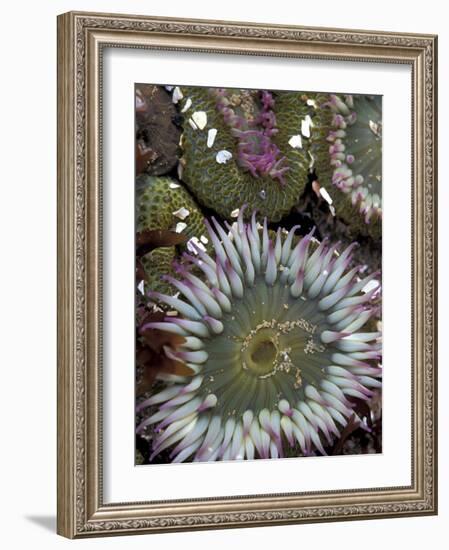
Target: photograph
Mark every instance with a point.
(258, 261)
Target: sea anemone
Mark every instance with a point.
(162, 203)
(243, 147)
(155, 265)
(274, 335)
(347, 147)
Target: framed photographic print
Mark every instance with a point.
(247, 274)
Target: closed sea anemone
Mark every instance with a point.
(275, 334)
(243, 147)
(162, 203)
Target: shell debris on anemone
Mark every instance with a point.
(237, 149)
(275, 333)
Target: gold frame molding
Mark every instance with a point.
(81, 39)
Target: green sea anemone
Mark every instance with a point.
(274, 335)
(347, 148)
(163, 203)
(156, 264)
(244, 147)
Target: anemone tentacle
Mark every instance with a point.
(275, 334)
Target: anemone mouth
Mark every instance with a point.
(270, 346)
(260, 354)
(272, 333)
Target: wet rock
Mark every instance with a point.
(157, 132)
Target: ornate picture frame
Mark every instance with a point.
(82, 40)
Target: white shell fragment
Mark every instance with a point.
(141, 287)
(223, 156)
(211, 135)
(325, 195)
(169, 88)
(235, 213)
(204, 239)
(180, 226)
(312, 160)
(311, 102)
(198, 120)
(295, 142)
(374, 127)
(177, 95)
(187, 105)
(306, 124)
(174, 185)
(182, 213)
(194, 241)
(172, 313)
